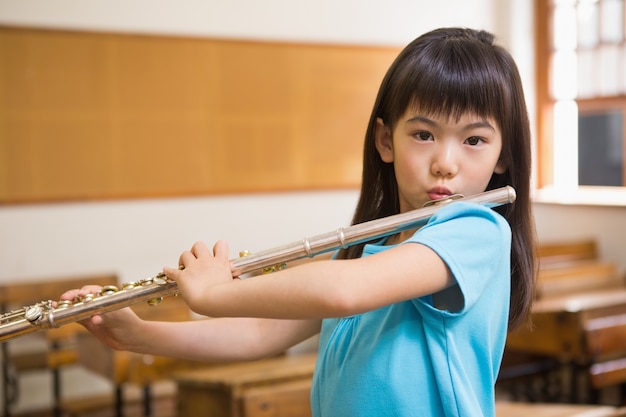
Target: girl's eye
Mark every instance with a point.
(423, 136)
(474, 140)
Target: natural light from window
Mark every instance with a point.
(586, 67)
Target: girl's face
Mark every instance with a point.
(434, 157)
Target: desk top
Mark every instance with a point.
(574, 303)
(514, 409)
(282, 368)
(559, 322)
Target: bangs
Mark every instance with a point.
(452, 79)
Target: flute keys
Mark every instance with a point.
(155, 301)
(129, 285)
(88, 297)
(274, 268)
(33, 313)
(108, 290)
(63, 304)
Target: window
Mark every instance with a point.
(581, 93)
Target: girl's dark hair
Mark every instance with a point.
(449, 72)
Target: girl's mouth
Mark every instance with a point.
(438, 193)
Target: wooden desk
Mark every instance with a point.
(562, 326)
(278, 387)
(559, 323)
(514, 409)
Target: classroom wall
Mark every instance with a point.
(136, 238)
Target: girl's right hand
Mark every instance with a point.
(116, 329)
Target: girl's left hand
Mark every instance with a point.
(201, 270)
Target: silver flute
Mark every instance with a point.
(49, 314)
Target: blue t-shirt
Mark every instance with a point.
(412, 359)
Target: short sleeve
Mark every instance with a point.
(474, 242)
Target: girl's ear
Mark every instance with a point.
(384, 141)
(501, 167)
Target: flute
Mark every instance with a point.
(48, 315)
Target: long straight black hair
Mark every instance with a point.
(449, 72)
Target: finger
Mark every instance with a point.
(92, 323)
(69, 295)
(87, 290)
(200, 249)
(186, 258)
(172, 273)
(95, 320)
(221, 249)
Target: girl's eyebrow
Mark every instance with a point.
(474, 125)
(478, 125)
(422, 119)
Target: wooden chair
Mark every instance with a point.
(127, 368)
(59, 342)
(577, 276)
(605, 337)
(563, 252)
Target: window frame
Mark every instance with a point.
(546, 189)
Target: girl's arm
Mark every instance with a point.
(315, 290)
(223, 339)
(209, 340)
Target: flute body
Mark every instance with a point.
(47, 315)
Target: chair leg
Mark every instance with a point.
(622, 395)
(147, 400)
(6, 381)
(56, 386)
(56, 392)
(119, 401)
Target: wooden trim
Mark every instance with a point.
(545, 105)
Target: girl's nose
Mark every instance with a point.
(444, 163)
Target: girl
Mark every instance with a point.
(414, 324)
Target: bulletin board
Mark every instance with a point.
(91, 116)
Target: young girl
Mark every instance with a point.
(413, 324)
